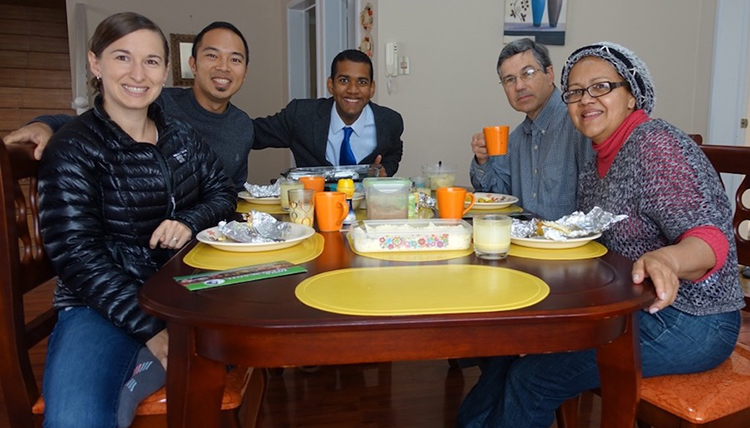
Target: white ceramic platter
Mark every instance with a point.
(297, 234)
(549, 244)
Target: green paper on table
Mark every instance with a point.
(235, 276)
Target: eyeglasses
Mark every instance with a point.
(525, 75)
(596, 90)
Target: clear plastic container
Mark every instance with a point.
(440, 174)
(387, 198)
(373, 236)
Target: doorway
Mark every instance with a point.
(317, 30)
(730, 87)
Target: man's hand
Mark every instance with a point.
(479, 147)
(170, 234)
(36, 132)
(159, 346)
(382, 172)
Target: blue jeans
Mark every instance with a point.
(518, 392)
(88, 361)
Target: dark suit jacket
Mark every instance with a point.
(303, 126)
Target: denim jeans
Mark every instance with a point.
(88, 361)
(519, 392)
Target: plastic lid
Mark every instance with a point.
(386, 183)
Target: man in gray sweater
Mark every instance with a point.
(219, 63)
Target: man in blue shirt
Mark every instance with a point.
(545, 151)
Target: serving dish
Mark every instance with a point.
(332, 174)
(297, 234)
(551, 244)
(372, 236)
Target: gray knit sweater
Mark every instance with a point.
(665, 184)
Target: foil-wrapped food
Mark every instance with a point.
(258, 227)
(425, 201)
(264, 190)
(575, 225)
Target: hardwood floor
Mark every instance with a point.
(414, 394)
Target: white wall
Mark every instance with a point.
(453, 88)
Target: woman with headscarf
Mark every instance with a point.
(678, 233)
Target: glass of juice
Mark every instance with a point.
(492, 236)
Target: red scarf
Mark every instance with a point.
(608, 149)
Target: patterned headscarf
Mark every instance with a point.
(626, 63)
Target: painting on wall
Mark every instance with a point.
(541, 20)
(181, 46)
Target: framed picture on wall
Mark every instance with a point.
(181, 46)
(542, 20)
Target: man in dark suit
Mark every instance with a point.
(345, 129)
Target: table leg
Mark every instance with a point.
(620, 374)
(195, 385)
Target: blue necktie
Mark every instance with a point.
(346, 156)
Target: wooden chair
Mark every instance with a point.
(718, 397)
(24, 267)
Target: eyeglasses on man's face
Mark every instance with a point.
(526, 74)
(596, 90)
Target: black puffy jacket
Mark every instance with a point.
(102, 195)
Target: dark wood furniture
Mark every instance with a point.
(262, 324)
(23, 268)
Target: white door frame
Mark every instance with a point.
(730, 83)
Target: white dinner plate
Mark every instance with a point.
(297, 234)
(499, 201)
(271, 200)
(550, 244)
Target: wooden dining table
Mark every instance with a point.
(592, 304)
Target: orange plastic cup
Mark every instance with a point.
(314, 182)
(496, 139)
(451, 200)
(331, 209)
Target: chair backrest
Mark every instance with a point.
(23, 267)
(735, 160)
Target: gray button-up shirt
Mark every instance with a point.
(542, 164)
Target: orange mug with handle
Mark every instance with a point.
(451, 201)
(331, 209)
(313, 182)
(496, 140)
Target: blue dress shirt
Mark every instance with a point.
(363, 140)
(542, 164)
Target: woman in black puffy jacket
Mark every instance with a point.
(122, 187)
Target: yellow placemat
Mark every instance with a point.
(413, 256)
(509, 209)
(244, 206)
(204, 256)
(589, 251)
(421, 290)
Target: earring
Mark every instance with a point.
(99, 78)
